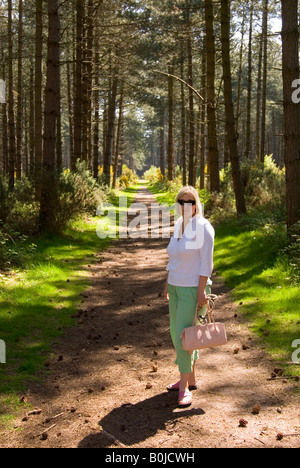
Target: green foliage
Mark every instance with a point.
(291, 255)
(79, 193)
(264, 183)
(128, 177)
(3, 199)
(247, 256)
(160, 182)
(14, 249)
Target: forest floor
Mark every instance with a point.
(108, 375)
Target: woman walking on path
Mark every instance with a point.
(188, 284)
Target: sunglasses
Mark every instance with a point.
(187, 202)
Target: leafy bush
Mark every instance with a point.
(154, 175)
(3, 199)
(128, 177)
(264, 183)
(23, 217)
(79, 193)
(19, 210)
(14, 248)
(291, 254)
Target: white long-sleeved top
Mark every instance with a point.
(191, 256)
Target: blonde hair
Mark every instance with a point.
(191, 190)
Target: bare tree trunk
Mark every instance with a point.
(183, 122)
(49, 186)
(32, 164)
(5, 155)
(11, 116)
(230, 120)
(38, 107)
(191, 96)
(70, 111)
(264, 87)
(78, 85)
(109, 139)
(118, 139)
(213, 152)
(249, 97)
(240, 71)
(203, 126)
(258, 101)
(89, 77)
(290, 50)
(171, 125)
(162, 140)
(20, 95)
(96, 118)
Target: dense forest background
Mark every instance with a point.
(192, 87)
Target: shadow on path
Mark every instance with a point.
(132, 424)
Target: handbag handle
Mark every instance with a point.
(210, 305)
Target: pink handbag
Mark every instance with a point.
(210, 335)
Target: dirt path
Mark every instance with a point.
(109, 373)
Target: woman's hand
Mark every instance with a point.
(202, 299)
(166, 294)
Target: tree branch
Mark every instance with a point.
(182, 81)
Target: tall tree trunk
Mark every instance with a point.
(38, 106)
(258, 101)
(249, 96)
(290, 51)
(118, 139)
(49, 186)
(96, 117)
(11, 116)
(203, 126)
(32, 129)
(213, 152)
(89, 77)
(109, 139)
(230, 120)
(238, 101)
(70, 112)
(20, 95)
(183, 121)
(162, 140)
(171, 125)
(5, 150)
(59, 156)
(264, 86)
(191, 95)
(78, 85)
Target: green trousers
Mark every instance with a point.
(182, 307)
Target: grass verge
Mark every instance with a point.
(38, 302)
(249, 260)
